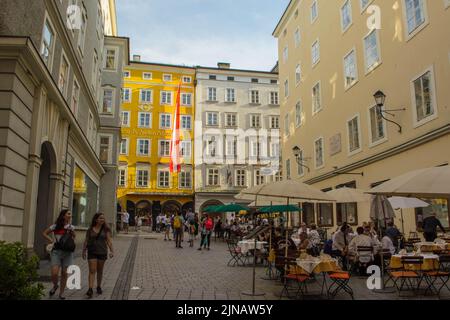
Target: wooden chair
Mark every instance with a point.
(364, 257)
(408, 278)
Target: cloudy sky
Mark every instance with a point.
(203, 32)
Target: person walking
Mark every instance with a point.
(138, 223)
(63, 246)
(126, 221)
(178, 225)
(207, 227)
(166, 223)
(430, 225)
(95, 248)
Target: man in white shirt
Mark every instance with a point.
(125, 221)
(387, 244)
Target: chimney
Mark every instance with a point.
(223, 65)
(137, 58)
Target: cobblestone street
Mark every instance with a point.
(147, 268)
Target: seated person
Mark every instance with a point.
(314, 241)
(387, 244)
(304, 242)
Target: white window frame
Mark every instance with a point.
(274, 98)
(187, 79)
(364, 7)
(110, 146)
(127, 146)
(82, 32)
(125, 124)
(51, 49)
(190, 122)
(348, 86)
(275, 146)
(255, 98)
(286, 89)
(343, 27)
(140, 125)
(138, 147)
(208, 172)
(232, 95)
(287, 125)
(160, 121)
(113, 100)
(409, 34)
(164, 101)
(127, 74)
(314, 18)
(211, 94)
(186, 145)
(147, 76)
(163, 148)
(116, 54)
(167, 75)
(125, 178)
(231, 114)
(358, 123)
(432, 117)
(297, 37)
(298, 115)
(141, 91)
(276, 120)
(285, 54)
(373, 143)
(181, 178)
(369, 69)
(314, 112)
(65, 87)
(217, 119)
(259, 178)
(146, 183)
(313, 50)
(75, 102)
(240, 174)
(298, 75)
(259, 124)
(184, 99)
(300, 168)
(323, 154)
(130, 95)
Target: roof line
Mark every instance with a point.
(282, 17)
(238, 70)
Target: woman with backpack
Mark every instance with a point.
(95, 249)
(63, 246)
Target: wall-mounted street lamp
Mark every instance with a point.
(300, 160)
(380, 99)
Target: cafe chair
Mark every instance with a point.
(293, 280)
(409, 280)
(237, 257)
(339, 282)
(440, 276)
(386, 261)
(364, 258)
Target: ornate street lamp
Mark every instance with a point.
(297, 154)
(380, 99)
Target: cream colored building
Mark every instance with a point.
(331, 64)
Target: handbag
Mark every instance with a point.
(66, 242)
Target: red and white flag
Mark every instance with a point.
(175, 162)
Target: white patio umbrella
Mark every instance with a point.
(430, 183)
(349, 195)
(381, 209)
(406, 203)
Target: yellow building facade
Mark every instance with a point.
(146, 186)
(333, 57)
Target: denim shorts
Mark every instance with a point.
(61, 258)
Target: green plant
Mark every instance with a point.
(18, 273)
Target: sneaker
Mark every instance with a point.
(53, 291)
(99, 290)
(90, 293)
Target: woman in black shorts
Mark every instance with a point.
(95, 248)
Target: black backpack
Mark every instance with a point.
(66, 242)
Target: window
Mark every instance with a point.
(211, 147)
(350, 69)
(164, 148)
(230, 78)
(285, 54)
(274, 149)
(213, 177)
(254, 96)
(377, 125)
(288, 169)
(165, 121)
(297, 38)
(371, 51)
(127, 74)
(212, 94)
(186, 122)
(82, 34)
(364, 4)
(94, 71)
(75, 97)
(325, 214)
(143, 147)
(317, 100)
(166, 97)
(346, 15)
(187, 79)
(105, 150)
(287, 128)
(298, 114)
(308, 214)
(145, 120)
(315, 52)
(63, 78)
(212, 77)
(230, 95)
(298, 75)
(122, 177)
(314, 11)
(255, 80)
(255, 121)
(353, 135)
(319, 154)
(274, 122)
(167, 77)
(110, 61)
(415, 14)
(255, 149)
(186, 149)
(142, 177)
(424, 98)
(185, 179)
(147, 76)
(124, 147)
(126, 95)
(212, 119)
(48, 39)
(231, 149)
(125, 117)
(108, 101)
(347, 212)
(240, 178)
(186, 99)
(146, 96)
(273, 81)
(231, 120)
(259, 178)
(274, 99)
(300, 169)
(286, 88)
(279, 176)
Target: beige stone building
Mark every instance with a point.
(333, 57)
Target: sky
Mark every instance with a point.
(202, 32)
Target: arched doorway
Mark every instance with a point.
(45, 199)
(131, 209)
(170, 207)
(144, 209)
(187, 206)
(210, 203)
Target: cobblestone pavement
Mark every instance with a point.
(147, 268)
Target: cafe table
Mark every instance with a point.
(247, 245)
(430, 262)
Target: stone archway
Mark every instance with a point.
(131, 209)
(144, 209)
(209, 203)
(46, 197)
(171, 206)
(188, 206)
